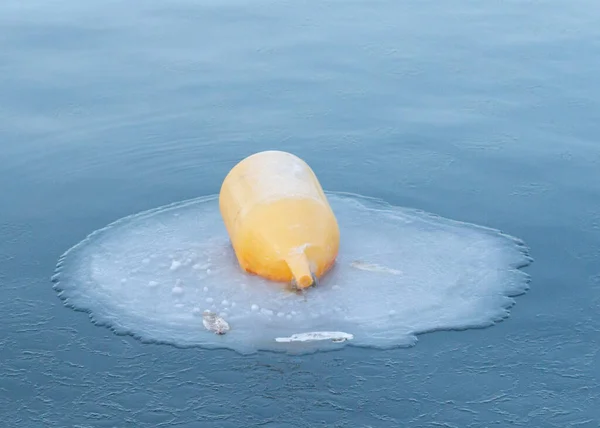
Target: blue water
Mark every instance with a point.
(484, 112)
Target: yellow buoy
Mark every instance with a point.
(278, 218)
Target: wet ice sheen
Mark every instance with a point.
(400, 272)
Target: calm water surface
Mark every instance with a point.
(485, 112)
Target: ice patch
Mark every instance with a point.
(399, 273)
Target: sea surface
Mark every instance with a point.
(483, 112)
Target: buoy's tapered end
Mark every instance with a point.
(300, 268)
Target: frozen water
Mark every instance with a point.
(400, 272)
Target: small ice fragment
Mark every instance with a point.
(146, 261)
(209, 300)
(196, 311)
(208, 271)
(177, 291)
(215, 323)
(254, 307)
(205, 288)
(223, 314)
(152, 284)
(225, 303)
(392, 312)
(288, 316)
(374, 267)
(334, 336)
(280, 314)
(336, 287)
(233, 304)
(179, 305)
(175, 265)
(123, 280)
(266, 311)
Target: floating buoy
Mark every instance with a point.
(278, 218)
